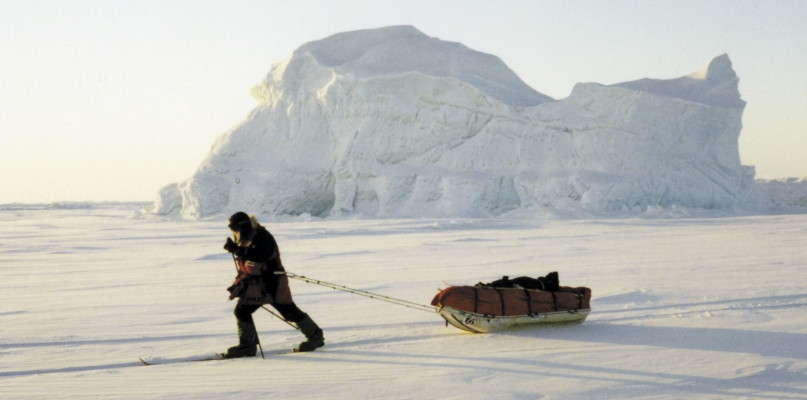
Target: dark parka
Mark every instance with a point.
(261, 278)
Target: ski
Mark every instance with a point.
(209, 357)
(164, 360)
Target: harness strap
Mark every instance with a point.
(554, 301)
(476, 299)
(501, 300)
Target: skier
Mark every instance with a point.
(261, 280)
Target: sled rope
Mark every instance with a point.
(388, 299)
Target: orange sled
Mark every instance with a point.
(489, 309)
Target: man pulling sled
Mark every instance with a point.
(261, 280)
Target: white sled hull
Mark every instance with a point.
(478, 323)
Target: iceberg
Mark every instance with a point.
(390, 122)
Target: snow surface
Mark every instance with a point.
(707, 308)
(389, 122)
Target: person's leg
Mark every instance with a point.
(290, 312)
(247, 334)
(313, 334)
(243, 313)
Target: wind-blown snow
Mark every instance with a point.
(86, 290)
(715, 85)
(390, 122)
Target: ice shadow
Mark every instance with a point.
(81, 368)
(94, 342)
(765, 343)
(109, 342)
(626, 327)
(621, 382)
(636, 313)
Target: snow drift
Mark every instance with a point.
(392, 123)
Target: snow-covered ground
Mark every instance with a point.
(682, 308)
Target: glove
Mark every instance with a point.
(230, 246)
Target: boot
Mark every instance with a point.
(313, 335)
(247, 342)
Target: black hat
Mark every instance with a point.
(238, 220)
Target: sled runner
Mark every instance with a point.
(478, 323)
(489, 309)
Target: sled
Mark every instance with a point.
(478, 323)
(482, 309)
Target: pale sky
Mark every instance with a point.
(110, 100)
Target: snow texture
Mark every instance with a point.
(389, 122)
(86, 290)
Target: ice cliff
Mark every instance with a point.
(392, 123)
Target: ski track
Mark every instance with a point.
(670, 317)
